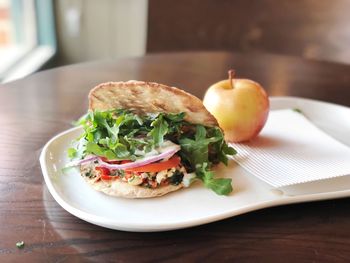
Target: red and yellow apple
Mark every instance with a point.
(241, 107)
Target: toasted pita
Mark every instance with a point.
(149, 97)
(122, 189)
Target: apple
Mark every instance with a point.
(241, 107)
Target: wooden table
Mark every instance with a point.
(34, 109)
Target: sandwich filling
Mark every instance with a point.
(151, 150)
(151, 176)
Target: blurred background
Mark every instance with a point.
(41, 34)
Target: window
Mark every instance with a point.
(27, 37)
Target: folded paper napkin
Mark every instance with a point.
(291, 150)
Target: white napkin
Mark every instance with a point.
(291, 150)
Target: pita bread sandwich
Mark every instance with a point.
(144, 139)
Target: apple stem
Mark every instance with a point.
(231, 75)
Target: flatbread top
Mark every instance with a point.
(149, 97)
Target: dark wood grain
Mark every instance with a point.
(310, 28)
(34, 109)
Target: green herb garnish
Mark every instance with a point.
(298, 110)
(20, 244)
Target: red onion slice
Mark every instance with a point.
(88, 158)
(151, 159)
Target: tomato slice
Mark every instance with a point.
(105, 173)
(157, 167)
(108, 177)
(103, 170)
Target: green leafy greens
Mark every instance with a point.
(122, 134)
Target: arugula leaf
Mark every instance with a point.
(221, 186)
(197, 150)
(77, 151)
(121, 151)
(207, 147)
(225, 150)
(71, 152)
(94, 148)
(201, 133)
(160, 128)
(102, 118)
(228, 150)
(175, 117)
(110, 155)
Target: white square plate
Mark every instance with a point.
(190, 206)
